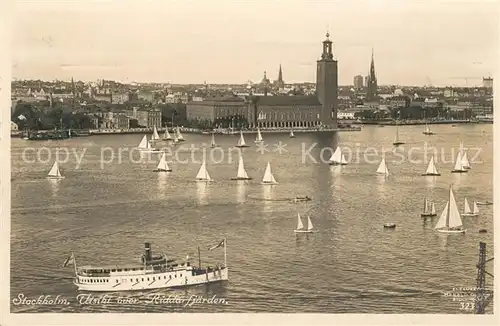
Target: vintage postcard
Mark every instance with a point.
(296, 162)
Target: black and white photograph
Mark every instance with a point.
(290, 159)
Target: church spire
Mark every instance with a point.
(372, 81)
(280, 75)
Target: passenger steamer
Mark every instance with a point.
(155, 272)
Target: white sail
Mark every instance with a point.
(291, 134)
(241, 169)
(343, 160)
(309, 223)
(299, 222)
(458, 162)
(268, 176)
(144, 142)
(54, 171)
(442, 222)
(427, 129)
(155, 134)
(241, 141)
(454, 219)
(475, 209)
(336, 156)
(426, 206)
(465, 161)
(179, 135)
(382, 168)
(467, 209)
(259, 136)
(203, 173)
(433, 209)
(167, 136)
(431, 168)
(163, 166)
(212, 143)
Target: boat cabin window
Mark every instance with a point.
(113, 270)
(143, 279)
(137, 280)
(181, 275)
(116, 281)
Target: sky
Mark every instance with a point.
(220, 41)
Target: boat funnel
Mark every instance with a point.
(147, 251)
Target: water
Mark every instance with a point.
(352, 265)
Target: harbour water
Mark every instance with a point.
(352, 265)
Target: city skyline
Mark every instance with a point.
(430, 43)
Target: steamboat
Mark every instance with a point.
(155, 272)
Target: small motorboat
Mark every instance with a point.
(483, 230)
(484, 203)
(389, 225)
(302, 198)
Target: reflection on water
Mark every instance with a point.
(54, 186)
(336, 169)
(240, 191)
(162, 184)
(459, 178)
(381, 186)
(430, 181)
(201, 192)
(267, 196)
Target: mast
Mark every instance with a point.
(199, 258)
(225, 252)
(74, 264)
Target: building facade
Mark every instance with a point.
(358, 82)
(154, 118)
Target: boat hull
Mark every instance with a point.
(241, 178)
(398, 143)
(428, 215)
(431, 174)
(242, 146)
(459, 171)
(162, 280)
(470, 214)
(170, 170)
(484, 203)
(336, 163)
(305, 231)
(453, 231)
(428, 133)
(389, 226)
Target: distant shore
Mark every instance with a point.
(352, 126)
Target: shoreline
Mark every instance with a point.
(355, 126)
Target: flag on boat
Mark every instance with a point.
(69, 260)
(221, 244)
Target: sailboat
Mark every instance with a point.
(468, 211)
(155, 135)
(241, 141)
(450, 221)
(163, 166)
(259, 138)
(382, 168)
(145, 146)
(397, 141)
(429, 209)
(212, 143)
(300, 226)
(291, 134)
(54, 172)
(166, 135)
(268, 176)
(176, 140)
(431, 168)
(179, 135)
(242, 173)
(427, 130)
(465, 161)
(203, 173)
(458, 165)
(337, 158)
